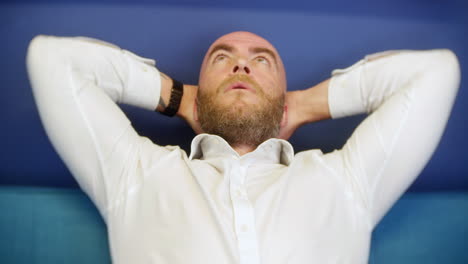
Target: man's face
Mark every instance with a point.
(242, 86)
(242, 54)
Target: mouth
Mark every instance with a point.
(239, 86)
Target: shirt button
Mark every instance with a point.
(240, 194)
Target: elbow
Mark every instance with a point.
(44, 58)
(449, 66)
(37, 54)
(441, 67)
(451, 60)
(44, 50)
(36, 48)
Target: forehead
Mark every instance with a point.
(241, 40)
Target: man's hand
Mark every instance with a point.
(187, 104)
(302, 107)
(305, 106)
(187, 107)
(292, 120)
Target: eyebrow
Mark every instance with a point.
(225, 47)
(264, 50)
(230, 48)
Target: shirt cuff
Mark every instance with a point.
(143, 87)
(345, 91)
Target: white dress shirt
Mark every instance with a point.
(268, 206)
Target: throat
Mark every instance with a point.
(242, 149)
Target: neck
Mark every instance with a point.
(242, 149)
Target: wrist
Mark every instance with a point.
(177, 91)
(165, 94)
(314, 103)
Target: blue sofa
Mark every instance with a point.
(45, 218)
(58, 225)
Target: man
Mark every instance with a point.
(242, 196)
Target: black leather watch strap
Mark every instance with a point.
(177, 92)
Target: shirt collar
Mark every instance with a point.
(273, 150)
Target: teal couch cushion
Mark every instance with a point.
(51, 225)
(424, 228)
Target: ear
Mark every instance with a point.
(284, 119)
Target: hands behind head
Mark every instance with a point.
(187, 107)
(302, 107)
(305, 106)
(293, 121)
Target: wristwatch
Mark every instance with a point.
(177, 92)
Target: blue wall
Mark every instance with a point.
(313, 38)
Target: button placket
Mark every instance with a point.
(244, 218)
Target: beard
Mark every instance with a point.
(240, 123)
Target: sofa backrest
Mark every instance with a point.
(55, 226)
(313, 39)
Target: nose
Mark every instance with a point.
(240, 69)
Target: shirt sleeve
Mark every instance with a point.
(409, 96)
(76, 83)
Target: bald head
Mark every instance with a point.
(245, 46)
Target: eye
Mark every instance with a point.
(220, 57)
(262, 59)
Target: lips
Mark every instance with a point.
(239, 86)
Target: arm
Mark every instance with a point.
(408, 96)
(187, 103)
(76, 83)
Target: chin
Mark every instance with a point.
(241, 108)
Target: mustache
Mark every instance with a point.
(239, 78)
